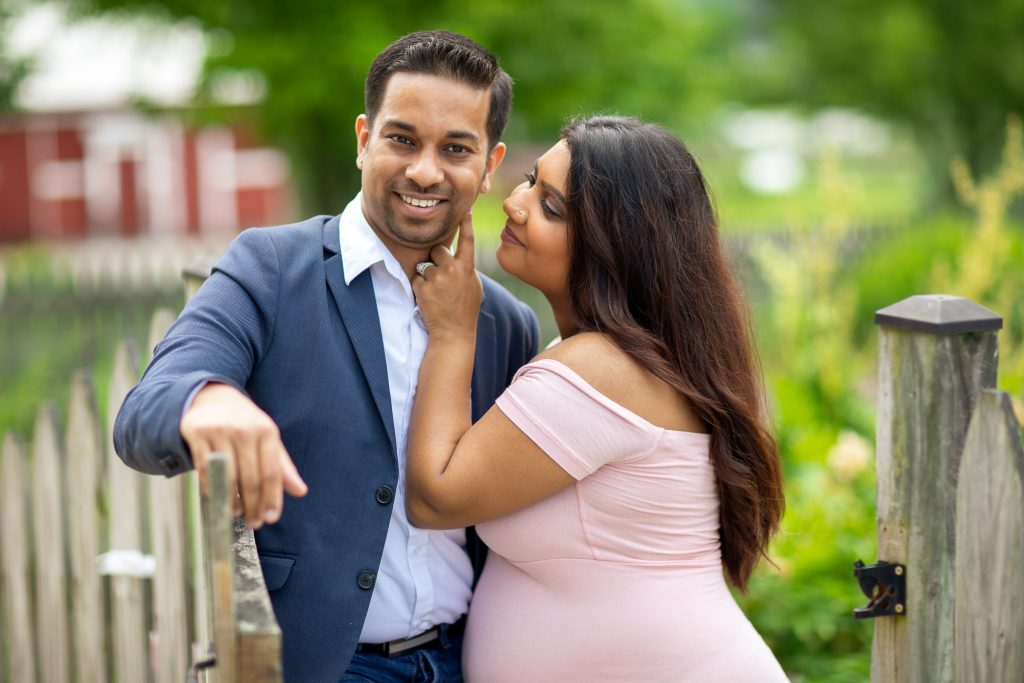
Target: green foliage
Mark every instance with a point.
(659, 59)
(948, 71)
(815, 327)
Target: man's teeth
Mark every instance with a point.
(425, 203)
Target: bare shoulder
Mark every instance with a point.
(620, 377)
(592, 356)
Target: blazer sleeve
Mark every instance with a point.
(221, 335)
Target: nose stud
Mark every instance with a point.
(520, 214)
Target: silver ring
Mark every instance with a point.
(423, 266)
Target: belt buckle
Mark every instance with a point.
(395, 648)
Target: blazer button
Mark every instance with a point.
(366, 580)
(385, 494)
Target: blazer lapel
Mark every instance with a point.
(358, 308)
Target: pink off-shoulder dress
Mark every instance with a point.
(619, 577)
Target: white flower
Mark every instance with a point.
(849, 456)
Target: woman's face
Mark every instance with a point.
(535, 243)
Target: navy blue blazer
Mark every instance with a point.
(276, 320)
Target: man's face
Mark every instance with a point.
(424, 159)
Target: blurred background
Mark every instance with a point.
(859, 153)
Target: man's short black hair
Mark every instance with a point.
(449, 55)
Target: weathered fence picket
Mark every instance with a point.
(48, 535)
(15, 541)
(220, 565)
(989, 597)
(84, 467)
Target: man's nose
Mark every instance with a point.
(425, 170)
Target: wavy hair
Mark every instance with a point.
(647, 269)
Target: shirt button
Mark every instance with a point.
(385, 494)
(366, 580)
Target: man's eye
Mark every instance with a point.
(401, 139)
(458, 149)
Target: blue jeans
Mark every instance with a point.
(438, 662)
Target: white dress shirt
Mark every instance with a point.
(425, 577)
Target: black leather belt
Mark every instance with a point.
(395, 648)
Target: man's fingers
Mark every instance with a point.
(247, 465)
(270, 470)
(293, 483)
(465, 246)
(200, 454)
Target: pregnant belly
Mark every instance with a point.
(583, 620)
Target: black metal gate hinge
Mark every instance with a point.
(885, 583)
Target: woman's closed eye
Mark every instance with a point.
(545, 204)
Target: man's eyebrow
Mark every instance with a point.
(452, 134)
(463, 135)
(396, 123)
(549, 187)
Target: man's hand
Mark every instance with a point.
(223, 419)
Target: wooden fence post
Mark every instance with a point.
(936, 354)
(16, 550)
(989, 614)
(125, 524)
(48, 532)
(84, 467)
(220, 565)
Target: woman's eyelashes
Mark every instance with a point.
(545, 206)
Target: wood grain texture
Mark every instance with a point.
(258, 633)
(84, 466)
(48, 533)
(989, 614)
(928, 386)
(15, 561)
(217, 534)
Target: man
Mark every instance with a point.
(299, 357)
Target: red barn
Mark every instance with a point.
(119, 172)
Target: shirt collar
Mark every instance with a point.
(361, 248)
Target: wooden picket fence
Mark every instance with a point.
(111, 575)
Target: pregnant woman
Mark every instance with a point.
(628, 472)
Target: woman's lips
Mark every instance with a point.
(507, 236)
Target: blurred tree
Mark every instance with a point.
(12, 69)
(662, 59)
(950, 72)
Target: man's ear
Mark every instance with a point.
(362, 137)
(494, 159)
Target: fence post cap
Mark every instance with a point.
(938, 314)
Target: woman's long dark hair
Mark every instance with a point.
(647, 269)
